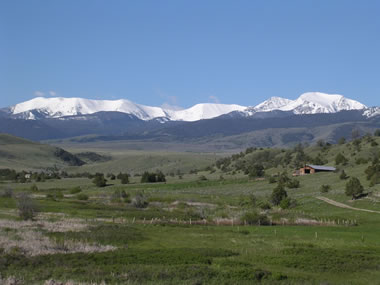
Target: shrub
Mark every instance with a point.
(254, 218)
(249, 201)
(82, 197)
(34, 188)
(293, 183)
(272, 179)
(265, 206)
(202, 178)
(140, 200)
(343, 175)
(75, 190)
(55, 195)
(7, 193)
(149, 177)
(124, 178)
(99, 180)
(375, 179)
(288, 203)
(120, 194)
(325, 188)
(340, 159)
(377, 133)
(257, 170)
(283, 178)
(354, 188)
(278, 194)
(27, 208)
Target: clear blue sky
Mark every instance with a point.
(187, 52)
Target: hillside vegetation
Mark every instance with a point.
(22, 154)
(241, 219)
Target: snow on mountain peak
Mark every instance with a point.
(204, 111)
(273, 103)
(59, 107)
(307, 103)
(310, 103)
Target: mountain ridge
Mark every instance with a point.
(59, 107)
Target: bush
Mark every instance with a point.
(278, 194)
(254, 218)
(140, 200)
(249, 201)
(288, 203)
(7, 193)
(99, 180)
(293, 183)
(120, 194)
(256, 170)
(124, 178)
(55, 195)
(354, 188)
(82, 197)
(149, 177)
(272, 179)
(325, 188)
(202, 178)
(34, 188)
(27, 208)
(343, 175)
(75, 190)
(265, 206)
(340, 159)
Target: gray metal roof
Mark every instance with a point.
(320, 167)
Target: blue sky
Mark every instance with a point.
(187, 52)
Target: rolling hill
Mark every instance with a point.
(21, 154)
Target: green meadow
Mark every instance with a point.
(209, 223)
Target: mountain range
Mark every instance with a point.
(307, 103)
(276, 121)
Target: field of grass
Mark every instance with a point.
(194, 229)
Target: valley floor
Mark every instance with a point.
(190, 233)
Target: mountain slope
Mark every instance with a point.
(18, 153)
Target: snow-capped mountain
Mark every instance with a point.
(307, 103)
(273, 103)
(372, 112)
(61, 107)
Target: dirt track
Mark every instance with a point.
(341, 205)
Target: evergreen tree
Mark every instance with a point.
(354, 187)
(278, 194)
(99, 180)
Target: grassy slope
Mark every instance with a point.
(21, 154)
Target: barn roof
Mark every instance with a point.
(320, 167)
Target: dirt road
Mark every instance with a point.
(341, 205)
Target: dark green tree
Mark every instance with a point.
(343, 175)
(257, 170)
(124, 178)
(278, 194)
(354, 188)
(340, 159)
(99, 180)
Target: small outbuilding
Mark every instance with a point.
(311, 168)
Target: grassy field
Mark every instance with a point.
(194, 229)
